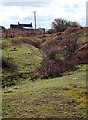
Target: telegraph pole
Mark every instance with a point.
(35, 18)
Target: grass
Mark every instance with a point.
(32, 55)
(63, 97)
(17, 55)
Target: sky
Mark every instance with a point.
(14, 11)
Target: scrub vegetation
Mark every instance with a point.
(44, 75)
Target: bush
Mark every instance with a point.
(71, 44)
(53, 68)
(49, 68)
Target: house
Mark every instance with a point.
(20, 26)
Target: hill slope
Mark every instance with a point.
(18, 60)
(62, 97)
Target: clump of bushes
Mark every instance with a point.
(50, 68)
(53, 68)
(63, 53)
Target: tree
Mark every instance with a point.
(59, 25)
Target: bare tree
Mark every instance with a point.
(59, 25)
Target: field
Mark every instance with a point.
(62, 97)
(55, 97)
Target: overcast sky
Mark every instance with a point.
(14, 11)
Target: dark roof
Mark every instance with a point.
(25, 25)
(20, 25)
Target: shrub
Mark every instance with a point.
(49, 68)
(53, 68)
(71, 44)
(62, 53)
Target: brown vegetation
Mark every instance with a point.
(63, 52)
(15, 42)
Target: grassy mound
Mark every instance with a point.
(24, 58)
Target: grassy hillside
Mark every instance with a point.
(62, 97)
(18, 60)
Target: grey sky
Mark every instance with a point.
(14, 11)
(33, 3)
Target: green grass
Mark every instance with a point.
(26, 58)
(18, 54)
(62, 97)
